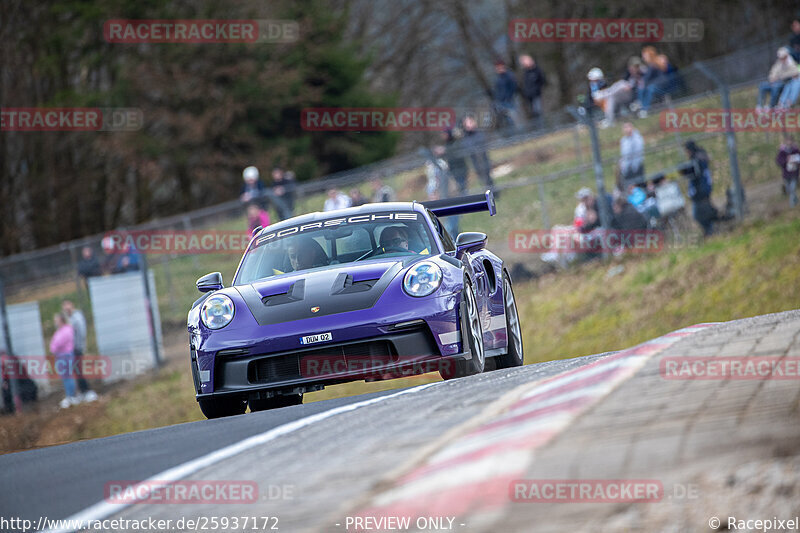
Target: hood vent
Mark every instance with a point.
(344, 284)
(295, 293)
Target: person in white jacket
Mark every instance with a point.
(336, 200)
(631, 161)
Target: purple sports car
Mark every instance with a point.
(366, 293)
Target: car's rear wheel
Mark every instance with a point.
(514, 356)
(283, 400)
(222, 406)
(472, 338)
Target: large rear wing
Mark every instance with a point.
(463, 205)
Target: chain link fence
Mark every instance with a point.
(536, 171)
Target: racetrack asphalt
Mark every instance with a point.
(364, 443)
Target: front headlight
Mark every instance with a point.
(217, 311)
(422, 279)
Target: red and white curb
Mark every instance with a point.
(471, 475)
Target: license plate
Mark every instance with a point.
(311, 339)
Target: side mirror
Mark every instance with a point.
(470, 241)
(210, 282)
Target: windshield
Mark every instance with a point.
(336, 241)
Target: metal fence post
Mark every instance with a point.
(543, 201)
(16, 400)
(738, 190)
(584, 115)
(150, 314)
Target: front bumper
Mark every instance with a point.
(400, 353)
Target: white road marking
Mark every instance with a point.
(104, 509)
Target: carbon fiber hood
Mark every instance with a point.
(321, 292)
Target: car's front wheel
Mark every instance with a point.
(514, 355)
(283, 400)
(222, 406)
(471, 338)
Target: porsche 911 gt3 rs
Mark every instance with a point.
(365, 293)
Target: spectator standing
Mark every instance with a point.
(381, 192)
(456, 160)
(631, 161)
(788, 159)
(503, 93)
(356, 198)
(78, 322)
(474, 143)
(89, 265)
(62, 347)
(700, 186)
(336, 200)
(533, 81)
(256, 217)
(794, 41)
(253, 188)
(780, 74)
(438, 174)
(284, 188)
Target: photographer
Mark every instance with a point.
(699, 175)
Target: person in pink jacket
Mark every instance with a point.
(62, 346)
(256, 217)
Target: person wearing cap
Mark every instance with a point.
(503, 93)
(587, 212)
(608, 98)
(580, 209)
(782, 72)
(252, 189)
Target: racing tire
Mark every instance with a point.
(514, 355)
(276, 402)
(471, 336)
(222, 406)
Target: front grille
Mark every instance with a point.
(286, 367)
(270, 369)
